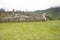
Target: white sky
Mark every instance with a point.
(30, 5)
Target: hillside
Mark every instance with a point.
(53, 12)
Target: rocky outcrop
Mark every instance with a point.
(21, 18)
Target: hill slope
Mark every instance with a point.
(53, 12)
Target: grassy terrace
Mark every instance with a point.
(30, 31)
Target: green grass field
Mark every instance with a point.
(49, 30)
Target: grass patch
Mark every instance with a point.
(30, 31)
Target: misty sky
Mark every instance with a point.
(30, 5)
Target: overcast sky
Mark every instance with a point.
(30, 5)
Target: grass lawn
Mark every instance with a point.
(30, 31)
